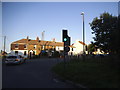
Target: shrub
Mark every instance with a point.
(56, 54)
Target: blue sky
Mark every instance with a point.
(22, 19)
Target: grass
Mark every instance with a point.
(92, 73)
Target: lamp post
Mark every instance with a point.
(83, 33)
(4, 43)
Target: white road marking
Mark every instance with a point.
(55, 80)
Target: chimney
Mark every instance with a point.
(53, 39)
(27, 37)
(37, 38)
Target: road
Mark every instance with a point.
(35, 73)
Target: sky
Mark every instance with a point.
(22, 19)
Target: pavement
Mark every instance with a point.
(34, 73)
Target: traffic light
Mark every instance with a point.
(66, 40)
(64, 35)
(67, 49)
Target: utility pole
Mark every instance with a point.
(83, 33)
(83, 37)
(43, 40)
(43, 35)
(4, 42)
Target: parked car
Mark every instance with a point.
(50, 54)
(99, 55)
(14, 59)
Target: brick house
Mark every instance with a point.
(34, 47)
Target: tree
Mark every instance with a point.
(91, 48)
(106, 30)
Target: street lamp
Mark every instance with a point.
(4, 42)
(83, 33)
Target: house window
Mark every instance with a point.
(34, 46)
(16, 52)
(72, 49)
(25, 46)
(24, 52)
(16, 46)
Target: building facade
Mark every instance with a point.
(28, 47)
(77, 48)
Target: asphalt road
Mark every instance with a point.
(35, 73)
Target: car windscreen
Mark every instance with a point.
(12, 57)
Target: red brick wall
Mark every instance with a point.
(20, 47)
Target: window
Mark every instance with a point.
(25, 46)
(72, 49)
(16, 46)
(34, 46)
(16, 52)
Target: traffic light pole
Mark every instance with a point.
(64, 58)
(66, 41)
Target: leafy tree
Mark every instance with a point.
(105, 29)
(91, 48)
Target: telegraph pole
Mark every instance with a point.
(83, 33)
(83, 37)
(43, 35)
(4, 42)
(42, 40)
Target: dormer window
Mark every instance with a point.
(25, 46)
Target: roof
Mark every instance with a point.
(40, 42)
(20, 41)
(82, 42)
(33, 42)
(72, 46)
(51, 43)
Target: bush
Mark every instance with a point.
(35, 56)
(56, 54)
(43, 54)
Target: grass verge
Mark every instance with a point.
(92, 73)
